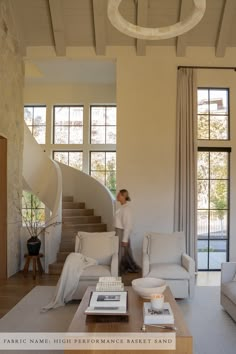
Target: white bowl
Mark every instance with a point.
(146, 287)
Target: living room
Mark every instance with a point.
(144, 90)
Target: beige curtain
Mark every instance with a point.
(186, 159)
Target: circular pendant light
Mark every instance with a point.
(128, 28)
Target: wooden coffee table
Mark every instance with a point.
(81, 323)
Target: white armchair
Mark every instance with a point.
(228, 288)
(164, 257)
(102, 246)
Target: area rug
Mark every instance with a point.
(213, 330)
(26, 316)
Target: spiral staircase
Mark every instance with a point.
(76, 211)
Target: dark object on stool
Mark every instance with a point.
(33, 245)
(36, 262)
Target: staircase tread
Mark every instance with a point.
(93, 223)
(78, 208)
(82, 216)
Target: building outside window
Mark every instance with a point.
(35, 118)
(213, 178)
(213, 114)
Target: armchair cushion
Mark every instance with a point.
(98, 245)
(165, 248)
(229, 290)
(96, 271)
(168, 271)
(188, 263)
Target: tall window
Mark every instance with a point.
(70, 158)
(103, 125)
(213, 178)
(35, 118)
(87, 143)
(103, 168)
(103, 132)
(68, 125)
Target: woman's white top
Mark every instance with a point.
(123, 220)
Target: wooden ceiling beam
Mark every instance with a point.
(58, 27)
(181, 40)
(224, 28)
(99, 13)
(142, 15)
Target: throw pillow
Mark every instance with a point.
(97, 245)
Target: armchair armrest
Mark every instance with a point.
(188, 263)
(145, 268)
(114, 265)
(228, 271)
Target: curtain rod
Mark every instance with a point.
(208, 67)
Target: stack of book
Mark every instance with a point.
(110, 284)
(163, 316)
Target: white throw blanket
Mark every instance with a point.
(69, 280)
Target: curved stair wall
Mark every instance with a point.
(43, 177)
(87, 189)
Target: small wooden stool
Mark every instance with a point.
(36, 262)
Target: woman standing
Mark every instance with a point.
(123, 225)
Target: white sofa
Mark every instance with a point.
(102, 246)
(164, 257)
(228, 288)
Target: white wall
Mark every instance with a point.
(146, 90)
(146, 101)
(11, 127)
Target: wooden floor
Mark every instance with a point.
(15, 288)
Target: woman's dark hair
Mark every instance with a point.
(125, 194)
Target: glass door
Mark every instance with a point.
(213, 208)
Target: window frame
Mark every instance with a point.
(30, 207)
(36, 125)
(105, 126)
(68, 151)
(209, 115)
(54, 125)
(90, 170)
